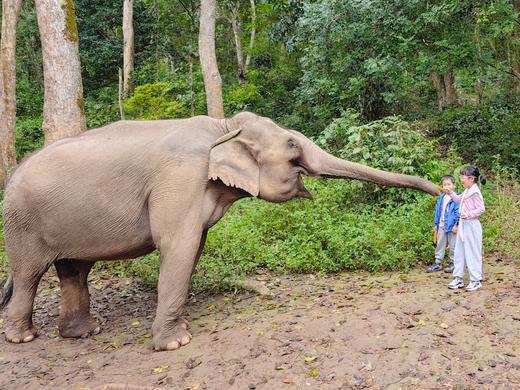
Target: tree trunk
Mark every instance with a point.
(129, 45)
(236, 26)
(120, 97)
(208, 59)
(10, 14)
(452, 96)
(446, 91)
(253, 35)
(516, 48)
(34, 63)
(438, 83)
(64, 107)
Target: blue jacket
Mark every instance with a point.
(451, 216)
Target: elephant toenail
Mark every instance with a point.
(185, 340)
(15, 340)
(97, 330)
(173, 345)
(28, 338)
(184, 325)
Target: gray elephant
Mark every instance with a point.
(130, 187)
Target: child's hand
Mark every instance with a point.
(448, 191)
(463, 215)
(455, 229)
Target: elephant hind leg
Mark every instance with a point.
(75, 319)
(19, 326)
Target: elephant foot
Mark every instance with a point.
(17, 335)
(79, 327)
(172, 338)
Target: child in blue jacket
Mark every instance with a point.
(446, 224)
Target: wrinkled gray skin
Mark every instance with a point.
(121, 191)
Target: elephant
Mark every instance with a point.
(130, 187)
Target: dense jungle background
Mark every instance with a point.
(330, 293)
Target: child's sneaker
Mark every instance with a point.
(473, 285)
(456, 283)
(449, 268)
(434, 268)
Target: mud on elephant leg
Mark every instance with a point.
(177, 264)
(19, 326)
(75, 319)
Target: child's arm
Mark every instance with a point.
(454, 196)
(478, 207)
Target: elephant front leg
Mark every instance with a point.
(177, 263)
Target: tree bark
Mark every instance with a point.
(63, 107)
(129, 46)
(208, 59)
(446, 91)
(10, 14)
(516, 48)
(236, 26)
(120, 98)
(253, 34)
(452, 96)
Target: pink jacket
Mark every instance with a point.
(472, 202)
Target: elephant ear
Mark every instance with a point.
(232, 160)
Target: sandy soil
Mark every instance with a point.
(347, 331)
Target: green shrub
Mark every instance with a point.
(29, 135)
(243, 97)
(102, 107)
(154, 101)
(391, 144)
(482, 133)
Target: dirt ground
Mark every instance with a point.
(347, 331)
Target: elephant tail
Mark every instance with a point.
(7, 292)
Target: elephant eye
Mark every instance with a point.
(292, 144)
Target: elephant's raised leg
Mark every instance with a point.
(75, 319)
(19, 325)
(178, 260)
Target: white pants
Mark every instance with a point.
(444, 238)
(468, 250)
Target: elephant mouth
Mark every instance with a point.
(302, 191)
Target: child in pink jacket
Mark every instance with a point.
(468, 249)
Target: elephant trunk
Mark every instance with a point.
(324, 164)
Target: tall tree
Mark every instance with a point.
(235, 19)
(64, 107)
(10, 14)
(516, 46)
(208, 59)
(128, 51)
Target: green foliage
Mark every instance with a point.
(391, 144)
(243, 97)
(502, 219)
(102, 107)
(29, 136)
(154, 101)
(482, 133)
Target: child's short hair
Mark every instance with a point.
(448, 177)
(473, 171)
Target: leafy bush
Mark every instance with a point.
(243, 97)
(29, 135)
(391, 144)
(482, 133)
(154, 101)
(102, 107)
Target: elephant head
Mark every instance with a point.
(267, 160)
